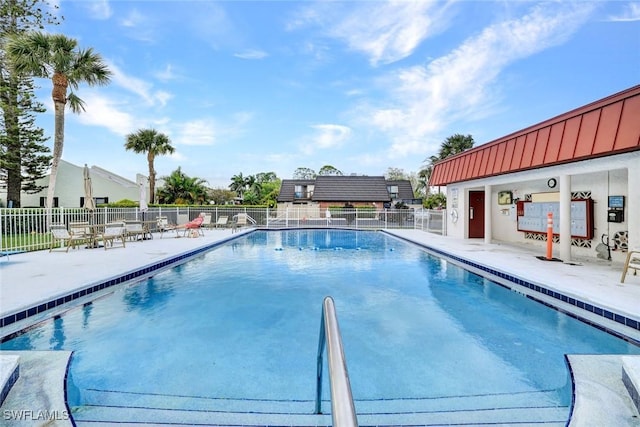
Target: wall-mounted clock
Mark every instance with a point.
(552, 183)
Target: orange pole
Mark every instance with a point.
(549, 236)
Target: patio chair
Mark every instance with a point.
(239, 220)
(80, 228)
(60, 234)
(162, 225)
(206, 223)
(222, 222)
(194, 228)
(632, 262)
(112, 232)
(134, 230)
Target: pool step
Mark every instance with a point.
(124, 408)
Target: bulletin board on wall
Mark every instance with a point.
(532, 217)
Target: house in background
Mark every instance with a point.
(107, 187)
(312, 197)
(583, 167)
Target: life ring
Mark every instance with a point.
(621, 240)
(454, 216)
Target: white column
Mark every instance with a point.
(632, 208)
(565, 217)
(488, 220)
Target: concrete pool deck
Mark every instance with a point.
(28, 279)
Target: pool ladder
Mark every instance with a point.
(343, 411)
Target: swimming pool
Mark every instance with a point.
(237, 329)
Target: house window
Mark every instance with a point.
(43, 202)
(98, 200)
(393, 191)
(303, 192)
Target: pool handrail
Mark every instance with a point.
(343, 411)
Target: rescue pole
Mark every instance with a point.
(549, 236)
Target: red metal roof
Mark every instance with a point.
(603, 128)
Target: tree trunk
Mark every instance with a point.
(13, 153)
(59, 95)
(152, 178)
(57, 151)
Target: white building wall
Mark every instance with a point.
(70, 186)
(614, 175)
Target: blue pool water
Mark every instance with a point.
(242, 322)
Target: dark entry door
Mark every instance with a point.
(476, 214)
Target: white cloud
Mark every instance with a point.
(138, 26)
(453, 87)
(138, 87)
(251, 54)
(326, 136)
(101, 111)
(99, 9)
(167, 74)
(630, 13)
(384, 31)
(196, 132)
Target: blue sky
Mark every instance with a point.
(251, 87)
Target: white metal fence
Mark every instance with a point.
(27, 229)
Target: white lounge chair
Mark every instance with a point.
(134, 230)
(112, 232)
(222, 222)
(162, 225)
(60, 234)
(632, 262)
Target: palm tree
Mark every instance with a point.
(57, 57)
(183, 190)
(238, 184)
(452, 145)
(154, 144)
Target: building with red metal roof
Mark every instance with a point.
(583, 163)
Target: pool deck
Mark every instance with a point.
(29, 279)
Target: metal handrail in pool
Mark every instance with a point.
(343, 412)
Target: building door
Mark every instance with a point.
(476, 214)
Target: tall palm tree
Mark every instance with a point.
(57, 57)
(454, 144)
(154, 144)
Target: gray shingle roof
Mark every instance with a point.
(351, 189)
(405, 190)
(346, 189)
(288, 188)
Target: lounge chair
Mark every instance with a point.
(60, 234)
(239, 220)
(134, 230)
(222, 222)
(113, 232)
(632, 262)
(162, 225)
(79, 229)
(206, 223)
(194, 228)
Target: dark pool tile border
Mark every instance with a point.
(598, 311)
(633, 392)
(10, 382)
(126, 277)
